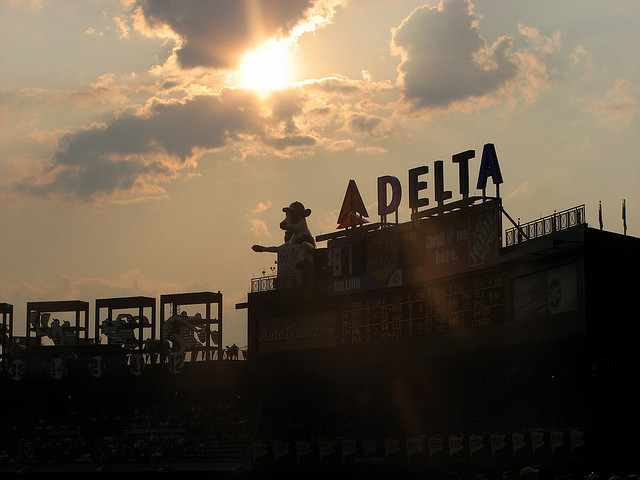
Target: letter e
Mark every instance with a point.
(415, 186)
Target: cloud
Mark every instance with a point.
(259, 228)
(342, 86)
(292, 141)
(371, 150)
(95, 94)
(445, 60)
(92, 31)
(286, 104)
(137, 153)
(216, 34)
(525, 188)
(619, 107)
(261, 207)
(370, 125)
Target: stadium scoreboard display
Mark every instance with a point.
(421, 311)
(418, 279)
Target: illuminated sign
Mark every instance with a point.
(489, 169)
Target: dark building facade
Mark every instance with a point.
(429, 346)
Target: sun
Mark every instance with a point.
(268, 67)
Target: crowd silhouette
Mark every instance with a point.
(116, 434)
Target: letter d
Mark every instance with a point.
(385, 208)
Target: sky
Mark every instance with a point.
(145, 145)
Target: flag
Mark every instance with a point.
(600, 214)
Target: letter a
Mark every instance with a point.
(489, 167)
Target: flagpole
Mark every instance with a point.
(624, 215)
(600, 213)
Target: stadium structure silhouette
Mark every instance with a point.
(436, 348)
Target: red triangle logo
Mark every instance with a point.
(353, 209)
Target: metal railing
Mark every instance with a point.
(276, 282)
(263, 284)
(546, 225)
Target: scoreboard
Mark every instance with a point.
(422, 310)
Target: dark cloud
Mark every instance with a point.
(284, 143)
(216, 33)
(365, 123)
(445, 59)
(371, 126)
(99, 178)
(286, 104)
(136, 155)
(140, 152)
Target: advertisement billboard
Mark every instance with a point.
(436, 247)
(546, 293)
(296, 332)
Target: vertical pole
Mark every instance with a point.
(209, 353)
(220, 326)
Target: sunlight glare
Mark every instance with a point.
(268, 68)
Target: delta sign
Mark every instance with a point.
(446, 240)
(489, 168)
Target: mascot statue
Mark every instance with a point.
(297, 251)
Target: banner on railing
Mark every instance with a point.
(437, 449)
